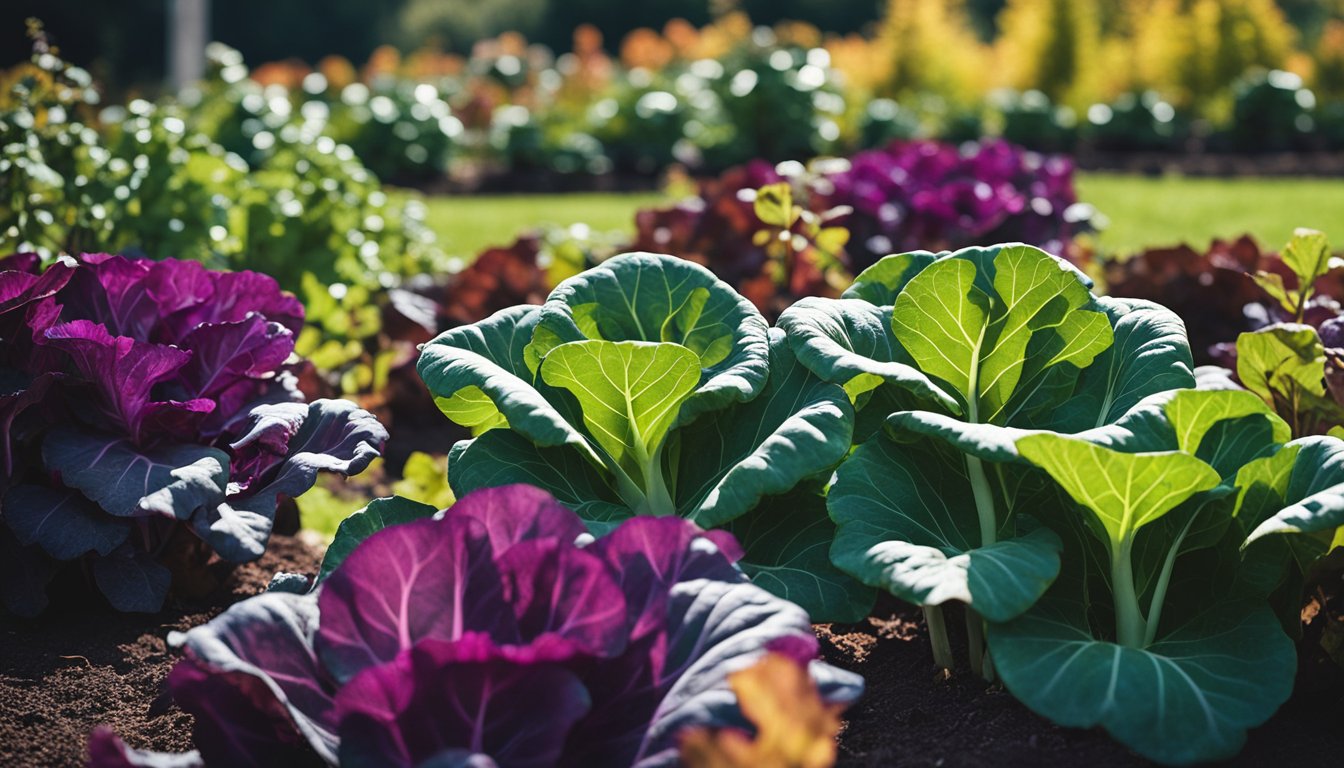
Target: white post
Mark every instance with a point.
(188, 31)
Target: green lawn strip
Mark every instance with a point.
(1145, 212)
(468, 224)
(1142, 211)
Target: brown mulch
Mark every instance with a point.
(83, 665)
(913, 715)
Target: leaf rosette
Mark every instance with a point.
(141, 400)
(948, 358)
(646, 386)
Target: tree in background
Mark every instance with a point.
(1050, 45)
(1191, 50)
(456, 25)
(1329, 78)
(929, 47)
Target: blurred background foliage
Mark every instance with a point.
(1050, 44)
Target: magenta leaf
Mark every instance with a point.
(122, 370)
(449, 701)
(423, 579)
(651, 554)
(254, 682)
(514, 513)
(565, 599)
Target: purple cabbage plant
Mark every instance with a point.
(497, 632)
(149, 419)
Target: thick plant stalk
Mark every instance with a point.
(975, 642)
(1129, 624)
(942, 649)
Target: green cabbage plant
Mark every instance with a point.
(1121, 539)
(646, 386)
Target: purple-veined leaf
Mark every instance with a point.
(514, 513)
(122, 370)
(565, 599)
(62, 522)
(172, 481)
(450, 701)
(335, 436)
(652, 554)
(424, 579)
(255, 684)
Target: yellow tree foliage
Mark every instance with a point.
(1329, 80)
(1191, 50)
(929, 47)
(1051, 46)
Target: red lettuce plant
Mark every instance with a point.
(496, 632)
(141, 401)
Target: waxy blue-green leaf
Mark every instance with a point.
(133, 582)
(907, 522)
(485, 360)
(1311, 501)
(799, 426)
(172, 481)
(1123, 491)
(656, 298)
(630, 392)
(1193, 413)
(1150, 354)
(503, 457)
(64, 523)
(984, 345)
(1188, 697)
(881, 283)
(787, 541)
(849, 342)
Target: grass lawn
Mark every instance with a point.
(1163, 211)
(468, 224)
(1142, 211)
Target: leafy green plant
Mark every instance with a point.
(806, 257)
(1130, 548)
(645, 386)
(947, 358)
(1286, 363)
(1194, 521)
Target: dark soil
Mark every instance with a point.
(84, 665)
(911, 714)
(77, 668)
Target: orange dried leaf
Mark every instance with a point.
(794, 727)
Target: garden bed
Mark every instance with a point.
(73, 670)
(81, 666)
(911, 715)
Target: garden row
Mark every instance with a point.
(514, 115)
(972, 427)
